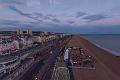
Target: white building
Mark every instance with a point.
(39, 39)
(24, 41)
(8, 63)
(15, 45)
(66, 54)
(18, 32)
(29, 42)
(30, 32)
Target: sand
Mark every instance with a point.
(107, 66)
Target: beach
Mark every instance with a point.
(106, 65)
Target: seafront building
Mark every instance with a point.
(22, 40)
(15, 45)
(5, 44)
(15, 42)
(10, 57)
(8, 63)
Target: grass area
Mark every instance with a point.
(61, 73)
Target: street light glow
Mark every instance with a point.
(36, 78)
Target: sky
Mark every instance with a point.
(68, 16)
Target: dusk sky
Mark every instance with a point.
(70, 16)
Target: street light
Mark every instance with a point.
(36, 78)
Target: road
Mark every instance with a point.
(44, 61)
(44, 71)
(23, 54)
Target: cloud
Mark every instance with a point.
(56, 20)
(12, 2)
(70, 22)
(40, 15)
(115, 11)
(13, 23)
(9, 1)
(55, 2)
(50, 2)
(8, 22)
(33, 3)
(79, 14)
(3, 6)
(35, 16)
(95, 17)
(49, 17)
(28, 15)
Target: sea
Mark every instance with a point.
(108, 42)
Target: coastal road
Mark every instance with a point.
(43, 64)
(46, 72)
(23, 54)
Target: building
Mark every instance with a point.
(66, 54)
(29, 42)
(5, 47)
(8, 63)
(29, 32)
(39, 39)
(15, 45)
(18, 32)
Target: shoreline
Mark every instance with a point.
(104, 48)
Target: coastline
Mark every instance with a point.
(104, 48)
(111, 52)
(107, 64)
